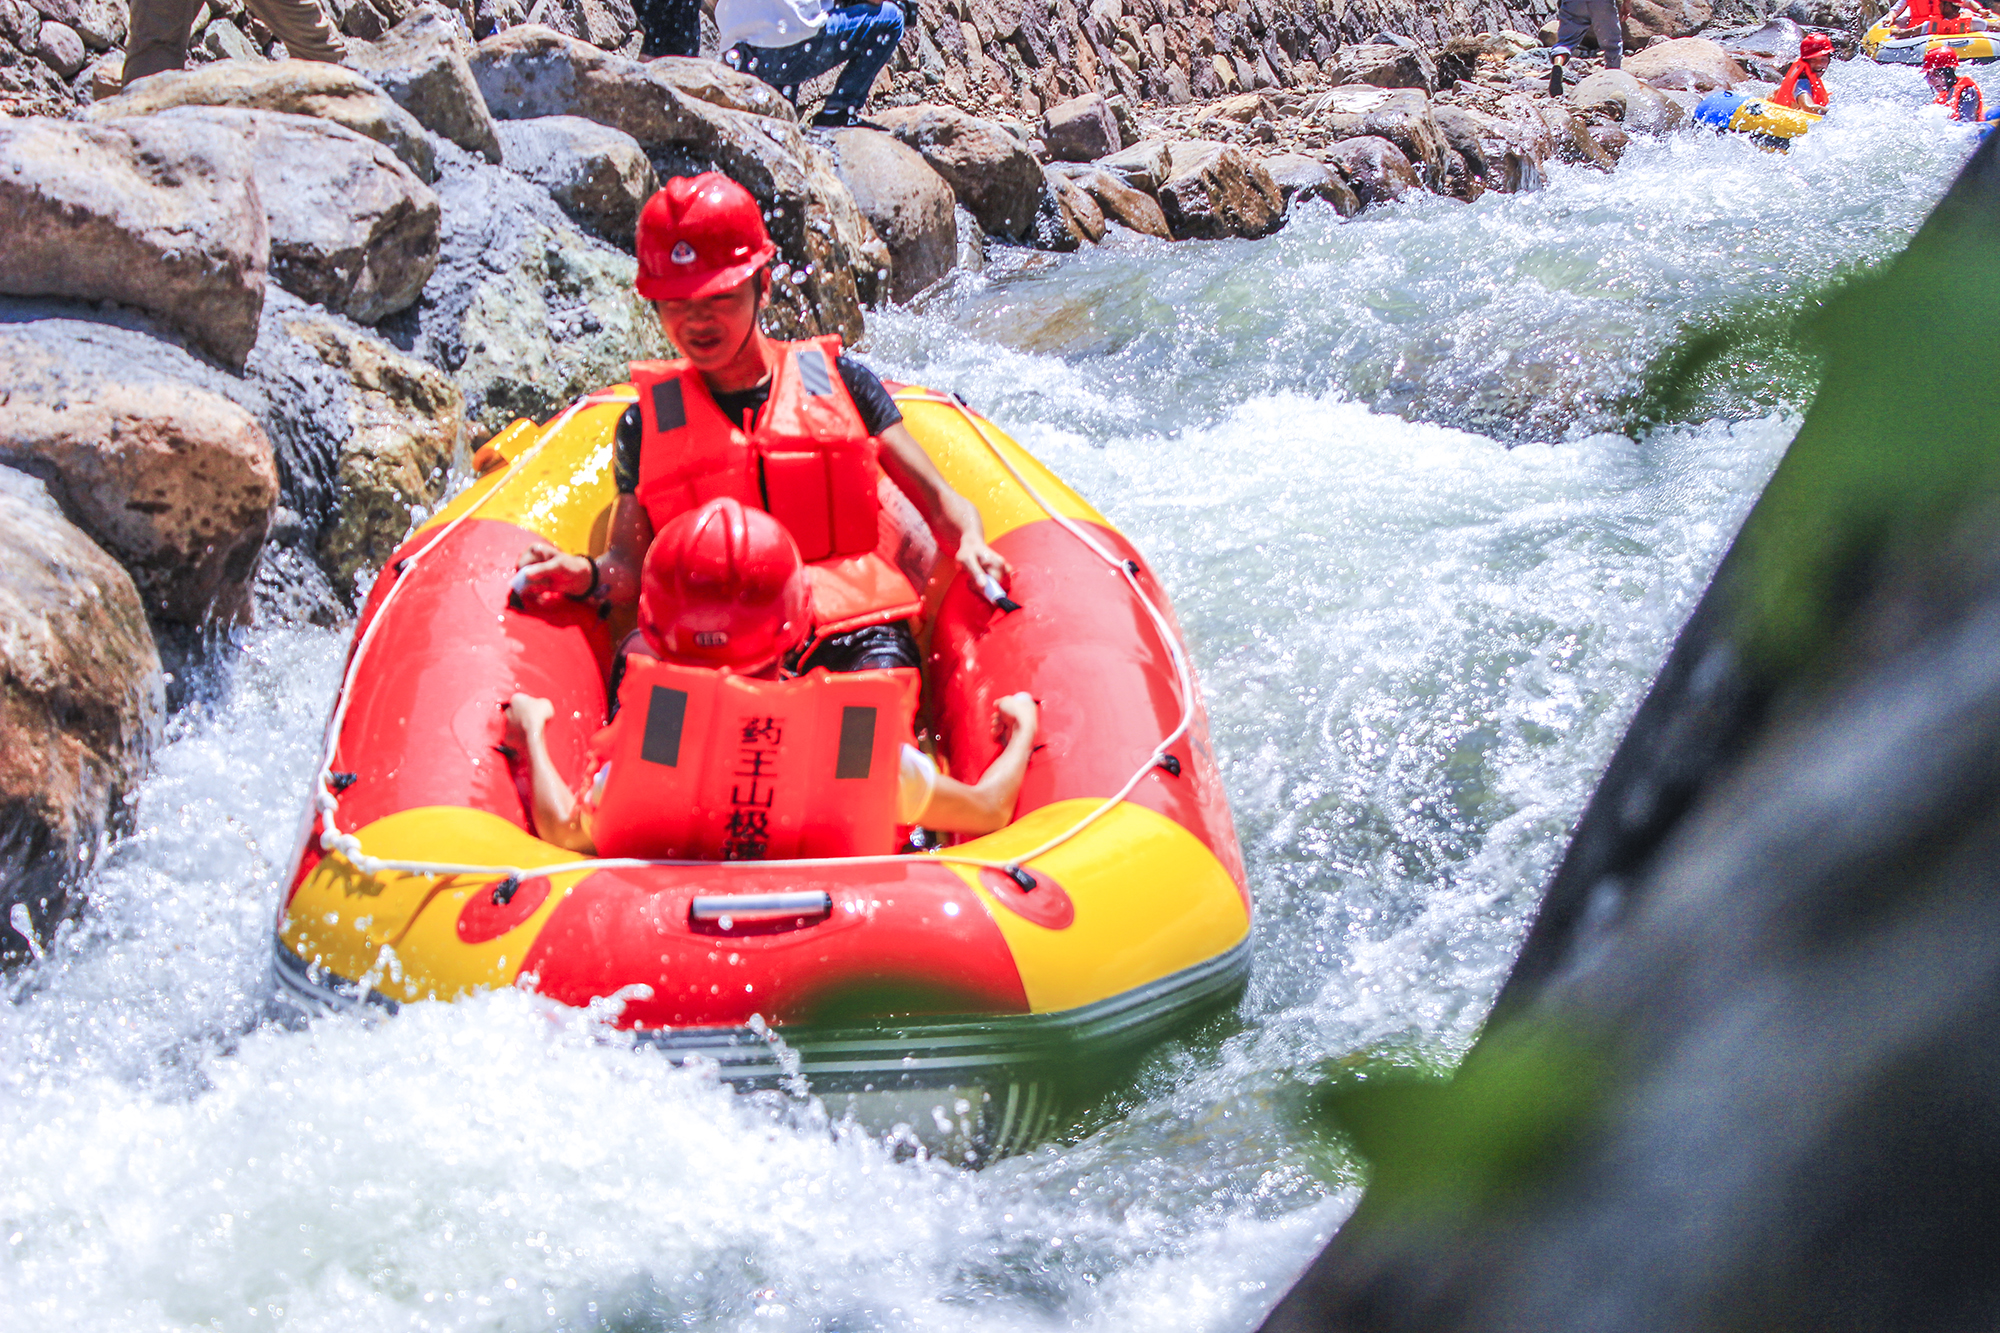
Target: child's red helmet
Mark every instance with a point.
(723, 586)
(1815, 44)
(1940, 57)
(699, 235)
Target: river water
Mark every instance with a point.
(1432, 490)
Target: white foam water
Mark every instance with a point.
(1419, 643)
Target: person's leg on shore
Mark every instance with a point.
(304, 28)
(868, 35)
(158, 36)
(1610, 30)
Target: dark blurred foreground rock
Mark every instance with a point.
(1746, 1073)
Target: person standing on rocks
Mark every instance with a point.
(159, 31)
(797, 429)
(1605, 18)
(786, 42)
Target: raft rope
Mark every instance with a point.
(348, 846)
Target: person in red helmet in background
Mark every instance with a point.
(1815, 54)
(723, 592)
(1953, 89)
(1942, 18)
(795, 428)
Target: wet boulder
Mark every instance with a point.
(1639, 108)
(173, 479)
(299, 87)
(1506, 154)
(1666, 18)
(525, 311)
(162, 216)
(352, 228)
(1402, 116)
(1706, 65)
(910, 206)
(1130, 208)
(1067, 218)
(1214, 190)
(423, 64)
(600, 176)
(1375, 169)
(714, 82)
(1384, 65)
(82, 701)
(1573, 141)
(1300, 178)
(1081, 129)
(1144, 166)
(989, 169)
(532, 71)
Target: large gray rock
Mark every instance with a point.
(1130, 208)
(1705, 64)
(525, 311)
(988, 168)
(423, 63)
(100, 23)
(1666, 18)
(1081, 129)
(1640, 109)
(1300, 178)
(1143, 166)
(300, 87)
(174, 480)
(910, 206)
(1402, 116)
(81, 704)
(600, 176)
(820, 233)
(1574, 142)
(1385, 65)
(712, 81)
(1504, 154)
(1376, 170)
(162, 216)
(352, 228)
(1066, 218)
(1214, 190)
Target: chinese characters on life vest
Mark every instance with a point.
(747, 836)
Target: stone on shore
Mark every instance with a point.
(1375, 169)
(82, 701)
(1385, 65)
(822, 237)
(1706, 65)
(910, 206)
(1300, 178)
(989, 169)
(714, 82)
(1066, 218)
(1081, 129)
(1121, 203)
(423, 63)
(1573, 140)
(300, 87)
(173, 480)
(58, 46)
(100, 24)
(1144, 166)
(352, 228)
(525, 311)
(1639, 108)
(1504, 153)
(1402, 116)
(600, 176)
(1666, 18)
(162, 216)
(1215, 190)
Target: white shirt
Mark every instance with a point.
(768, 23)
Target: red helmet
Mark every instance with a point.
(698, 236)
(1815, 44)
(723, 586)
(1940, 57)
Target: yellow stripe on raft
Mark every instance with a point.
(1133, 865)
(966, 462)
(343, 920)
(563, 493)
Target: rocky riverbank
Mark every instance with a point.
(254, 313)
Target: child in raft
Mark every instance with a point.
(723, 587)
(1953, 90)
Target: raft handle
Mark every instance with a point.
(724, 907)
(1132, 568)
(1171, 763)
(1021, 877)
(340, 782)
(503, 892)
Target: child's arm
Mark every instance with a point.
(987, 805)
(558, 817)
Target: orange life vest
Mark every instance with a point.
(1949, 97)
(808, 460)
(709, 766)
(1788, 90)
(1957, 27)
(1921, 11)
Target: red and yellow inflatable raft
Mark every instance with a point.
(965, 990)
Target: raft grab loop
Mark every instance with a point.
(347, 846)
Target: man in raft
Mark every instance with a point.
(1953, 89)
(798, 429)
(1938, 18)
(1815, 54)
(723, 589)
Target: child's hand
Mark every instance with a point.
(1015, 713)
(527, 715)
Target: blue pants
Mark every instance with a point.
(862, 37)
(1576, 17)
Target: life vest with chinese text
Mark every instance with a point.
(710, 766)
(807, 460)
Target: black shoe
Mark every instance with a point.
(1555, 80)
(842, 118)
